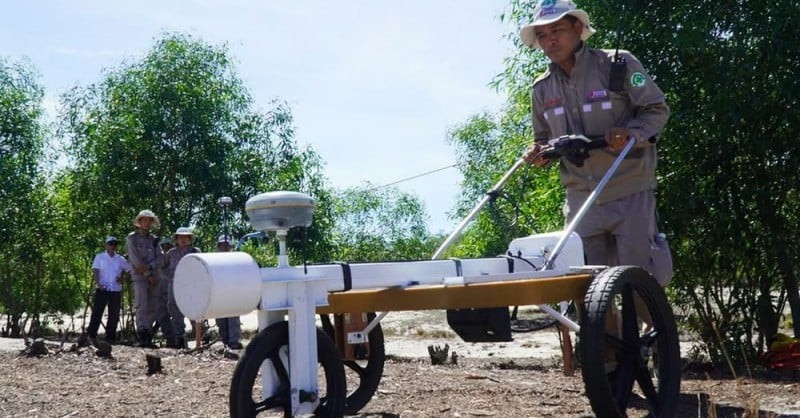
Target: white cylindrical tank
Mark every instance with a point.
(217, 285)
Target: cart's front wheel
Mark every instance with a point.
(268, 355)
(628, 335)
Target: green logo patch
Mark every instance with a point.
(638, 79)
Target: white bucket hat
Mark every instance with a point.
(146, 214)
(183, 231)
(549, 11)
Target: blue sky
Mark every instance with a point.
(374, 86)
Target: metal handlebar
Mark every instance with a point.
(489, 196)
(567, 146)
(575, 148)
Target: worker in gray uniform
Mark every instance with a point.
(183, 238)
(144, 257)
(600, 94)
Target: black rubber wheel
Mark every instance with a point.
(646, 354)
(269, 349)
(365, 373)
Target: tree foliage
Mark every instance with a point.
(374, 224)
(34, 277)
(173, 132)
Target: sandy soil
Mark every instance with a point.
(522, 378)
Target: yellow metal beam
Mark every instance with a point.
(478, 295)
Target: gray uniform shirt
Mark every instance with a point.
(172, 258)
(143, 250)
(583, 103)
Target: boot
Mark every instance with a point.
(176, 342)
(146, 339)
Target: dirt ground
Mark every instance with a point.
(71, 381)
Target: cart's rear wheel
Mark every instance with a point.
(268, 353)
(365, 371)
(628, 301)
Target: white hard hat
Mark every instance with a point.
(549, 11)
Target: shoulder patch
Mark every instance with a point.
(638, 79)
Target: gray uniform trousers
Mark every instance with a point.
(151, 307)
(619, 232)
(230, 330)
(178, 320)
(145, 300)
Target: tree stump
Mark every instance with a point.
(438, 354)
(153, 364)
(103, 349)
(38, 348)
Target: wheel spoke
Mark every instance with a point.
(280, 368)
(272, 402)
(354, 366)
(648, 388)
(627, 353)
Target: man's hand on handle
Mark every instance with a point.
(533, 155)
(616, 138)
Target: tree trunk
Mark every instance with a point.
(789, 282)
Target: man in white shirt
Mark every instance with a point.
(107, 270)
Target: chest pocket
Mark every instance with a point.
(603, 111)
(556, 119)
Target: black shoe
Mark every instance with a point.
(235, 346)
(178, 343)
(84, 340)
(146, 339)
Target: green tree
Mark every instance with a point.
(173, 132)
(33, 277)
(379, 224)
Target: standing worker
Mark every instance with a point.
(230, 329)
(183, 239)
(601, 94)
(107, 269)
(144, 257)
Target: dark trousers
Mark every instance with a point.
(103, 298)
